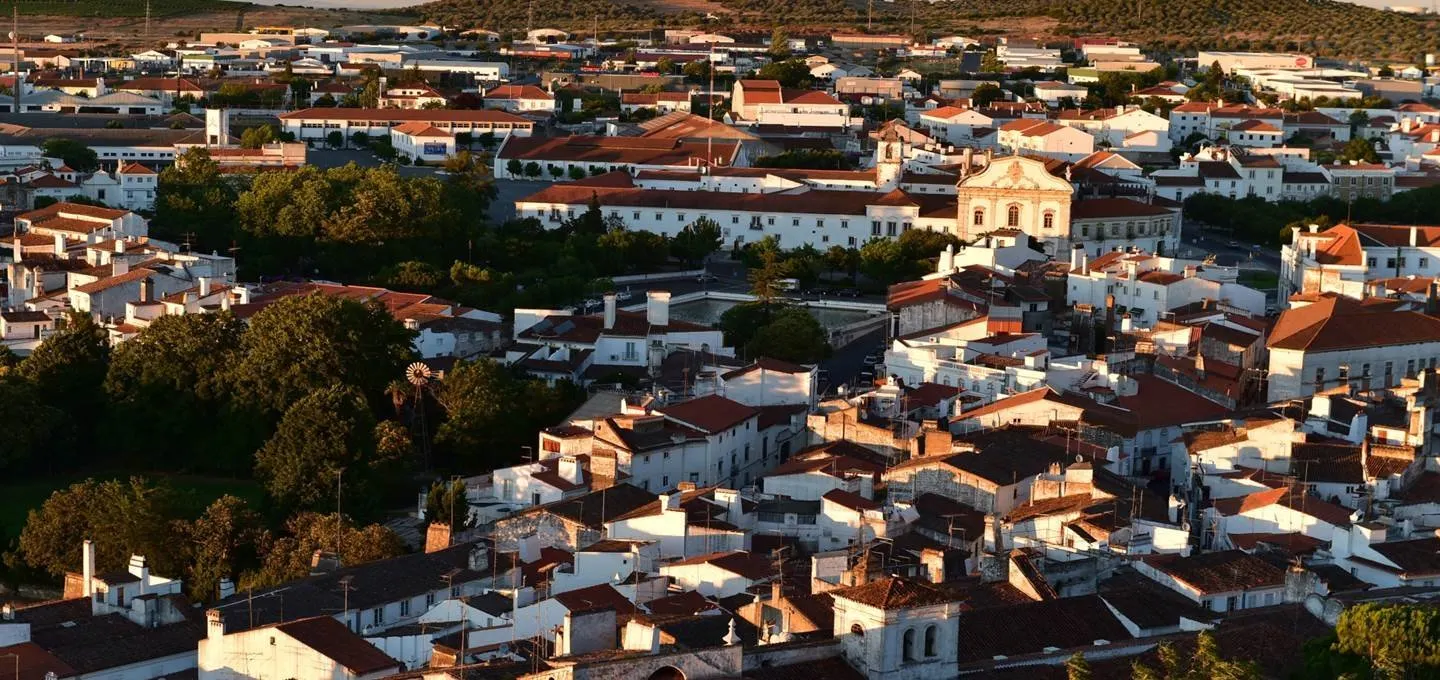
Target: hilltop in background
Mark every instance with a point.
(1320, 27)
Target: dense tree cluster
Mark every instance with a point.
(1256, 220)
(301, 399)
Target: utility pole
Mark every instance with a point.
(147, 23)
(870, 16)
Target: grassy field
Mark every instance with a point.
(121, 8)
(194, 493)
(1258, 279)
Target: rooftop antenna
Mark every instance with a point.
(710, 109)
(15, 47)
(339, 524)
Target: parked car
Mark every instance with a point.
(624, 295)
(706, 277)
(847, 292)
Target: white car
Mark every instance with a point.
(624, 295)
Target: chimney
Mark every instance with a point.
(60, 246)
(609, 311)
(437, 536)
(1414, 235)
(1200, 366)
(140, 569)
(119, 266)
(569, 469)
(1406, 124)
(227, 587)
(204, 286)
(244, 296)
(657, 307)
(528, 548)
(87, 566)
(119, 246)
(225, 301)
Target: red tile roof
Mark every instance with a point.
(895, 592)
(1336, 323)
(747, 565)
(626, 150)
(334, 641)
(431, 116)
(1219, 572)
(712, 413)
(851, 500)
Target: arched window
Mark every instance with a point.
(930, 640)
(1012, 217)
(857, 629)
(1049, 219)
(979, 217)
(908, 645)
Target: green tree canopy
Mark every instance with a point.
(791, 334)
(287, 556)
(697, 240)
(325, 439)
(73, 153)
(220, 543)
(789, 73)
(256, 137)
(169, 383)
(305, 343)
(123, 517)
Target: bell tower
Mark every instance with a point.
(889, 159)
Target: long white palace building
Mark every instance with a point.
(826, 208)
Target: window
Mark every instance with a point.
(429, 600)
(665, 481)
(1012, 216)
(907, 649)
(377, 616)
(795, 222)
(979, 217)
(1319, 376)
(857, 629)
(1049, 219)
(930, 635)
(734, 219)
(875, 227)
(405, 607)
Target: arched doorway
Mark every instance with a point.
(667, 673)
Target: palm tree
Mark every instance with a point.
(399, 392)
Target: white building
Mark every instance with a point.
(1220, 581)
(1334, 339)
(1040, 137)
(315, 648)
(421, 142)
(1145, 287)
(1343, 258)
(898, 629)
(766, 103)
(316, 125)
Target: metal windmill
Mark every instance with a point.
(419, 376)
